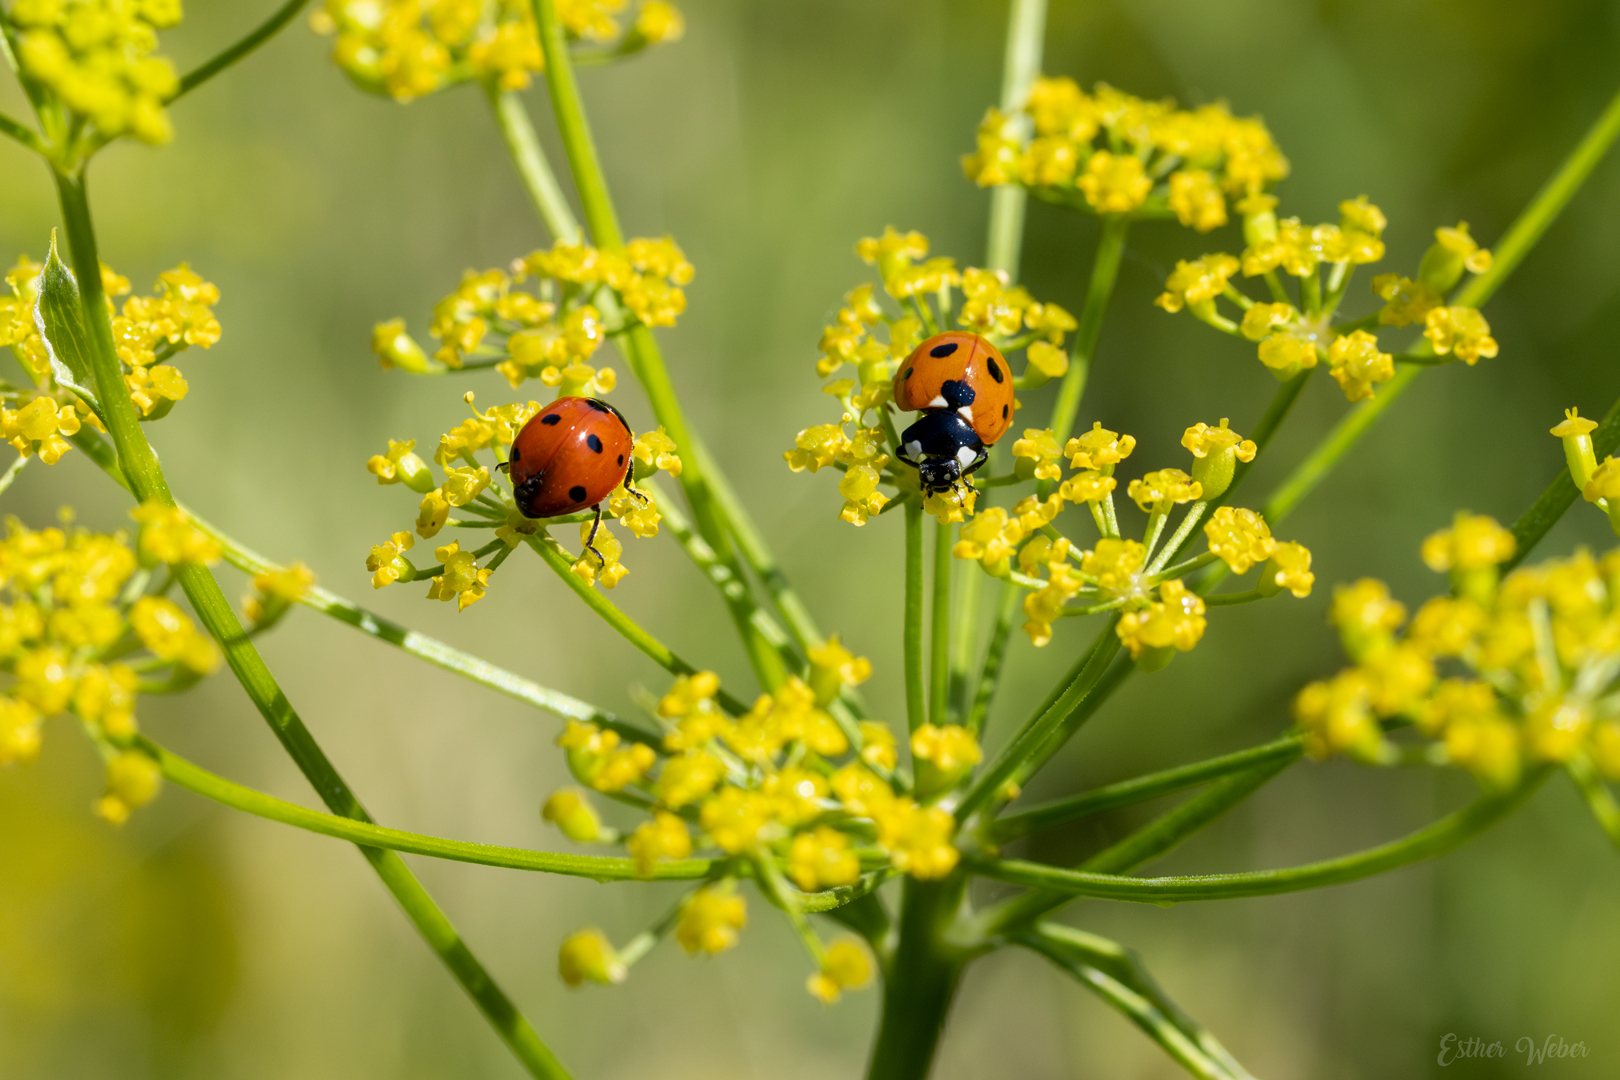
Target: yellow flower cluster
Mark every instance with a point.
(147, 332)
(778, 786)
(1598, 482)
(65, 609)
(1532, 662)
(409, 48)
(551, 332)
(98, 59)
(1294, 339)
(1050, 147)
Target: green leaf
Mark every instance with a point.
(59, 317)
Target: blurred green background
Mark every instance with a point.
(200, 943)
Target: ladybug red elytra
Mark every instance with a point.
(963, 387)
(569, 456)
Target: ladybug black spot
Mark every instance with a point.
(1004, 412)
(909, 371)
(995, 369)
(621, 459)
(553, 418)
(594, 443)
(576, 493)
(943, 350)
(512, 458)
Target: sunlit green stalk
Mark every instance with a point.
(1599, 799)
(1437, 839)
(11, 473)
(1118, 977)
(916, 706)
(1104, 271)
(517, 131)
(265, 31)
(562, 565)
(939, 632)
(140, 467)
(1021, 64)
(596, 867)
(1139, 789)
(639, 344)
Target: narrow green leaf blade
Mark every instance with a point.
(60, 318)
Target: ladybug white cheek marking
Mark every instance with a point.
(966, 413)
(965, 455)
(914, 450)
(939, 403)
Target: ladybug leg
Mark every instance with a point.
(590, 541)
(631, 489)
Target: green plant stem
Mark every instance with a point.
(1139, 789)
(964, 627)
(22, 133)
(1104, 271)
(562, 565)
(1116, 974)
(517, 131)
(596, 867)
(916, 707)
(140, 467)
(640, 346)
(920, 980)
(703, 556)
(1021, 63)
(1561, 494)
(265, 31)
(1515, 244)
(1150, 841)
(939, 632)
(1427, 843)
(11, 473)
(1044, 724)
(994, 656)
(1599, 799)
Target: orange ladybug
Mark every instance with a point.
(569, 456)
(962, 386)
(982, 393)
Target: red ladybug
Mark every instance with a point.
(963, 387)
(569, 456)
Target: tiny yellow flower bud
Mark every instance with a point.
(822, 859)
(1216, 452)
(664, 837)
(396, 348)
(943, 757)
(571, 812)
(845, 966)
(587, 954)
(1576, 433)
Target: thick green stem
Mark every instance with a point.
(1104, 270)
(1139, 789)
(939, 632)
(563, 566)
(964, 631)
(640, 346)
(266, 30)
(517, 131)
(1444, 835)
(916, 706)
(920, 981)
(1021, 63)
(147, 483)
